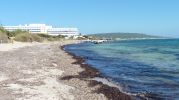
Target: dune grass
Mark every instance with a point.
(3, 36)
(27, 37)
(24, 36)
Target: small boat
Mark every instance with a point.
(98, 41)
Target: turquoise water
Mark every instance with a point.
(138, 66)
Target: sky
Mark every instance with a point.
(155, 17)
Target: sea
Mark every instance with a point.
(149, 67)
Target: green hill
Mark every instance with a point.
(121, 36)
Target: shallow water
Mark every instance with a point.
(139, 66)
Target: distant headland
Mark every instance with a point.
(120, 36)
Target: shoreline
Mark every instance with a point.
(47, 66)
(111, 92)
(144, 39)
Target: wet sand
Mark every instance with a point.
(46, 72)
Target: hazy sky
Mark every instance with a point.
(157, 17)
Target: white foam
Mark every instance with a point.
(107, 82)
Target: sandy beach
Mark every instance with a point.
(44, 71)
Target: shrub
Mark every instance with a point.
(2, 30)
(27, 37)
(3, 37)
(23, 37)
(44, 35)
(61, 36)
(36, 38)
(50, 37)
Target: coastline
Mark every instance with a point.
(110, 91)
(143, 39)
(44, 71)
(89, 72)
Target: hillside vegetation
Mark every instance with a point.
(23, 36)
(3, 36)
(121, 36)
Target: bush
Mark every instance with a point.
(24, 36)
(36, 38)
(2, 30)
(50, 37)
(3, 37)
(27, 37)
(44, 35)
(61, 36)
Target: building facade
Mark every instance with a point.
(42, 28)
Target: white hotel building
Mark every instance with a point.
(42, 28)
